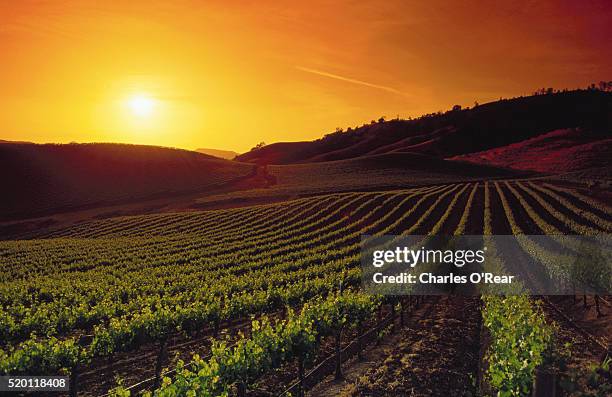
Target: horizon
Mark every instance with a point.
(592, 86)
(227, 77)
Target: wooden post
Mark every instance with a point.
(301, 376)
(360, 342)
(599, 313)
(83, 341)
(216, 328)
(74, 374)
(338, 355)
(545, 384)
(241, 389)
(161, 356)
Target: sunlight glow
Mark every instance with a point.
(230, 74)
(141, 105)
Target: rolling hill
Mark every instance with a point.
(454, 133)
(41, 179)
(559, 151)
(386, 171)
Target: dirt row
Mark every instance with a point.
(436, 353)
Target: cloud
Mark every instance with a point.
(349, 80)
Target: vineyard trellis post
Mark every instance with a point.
(392, 304)
(545, 384)
(216, 325)
(74, 373)
(241, 392)
(360, 332)
(379, 322)
(163, 348)
(597, 308)
(338, 374)
(301, 377)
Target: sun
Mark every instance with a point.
(141, 105)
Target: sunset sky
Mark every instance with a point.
(230, 74)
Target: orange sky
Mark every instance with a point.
(229, 74)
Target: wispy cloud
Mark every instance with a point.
(350, 80)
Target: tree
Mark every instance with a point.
(605, 85)
(544, 91)
(456, 108)
(259, 145)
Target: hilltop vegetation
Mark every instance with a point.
(39, 179)
(456, 132)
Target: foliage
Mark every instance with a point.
(132, 281)
(50, 357)
(519, 339)
(295, 337)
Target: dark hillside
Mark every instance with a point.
(41, 179)
(455, 132)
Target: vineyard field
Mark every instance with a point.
(101, 294)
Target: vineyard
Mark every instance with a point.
(248, 300)
(372, 173)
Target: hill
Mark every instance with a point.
(264, 184)
(559, 151)
(222, 154)
(4, 141)
(42, 179)
(454, 133)
(385, 170)
(377, 172)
